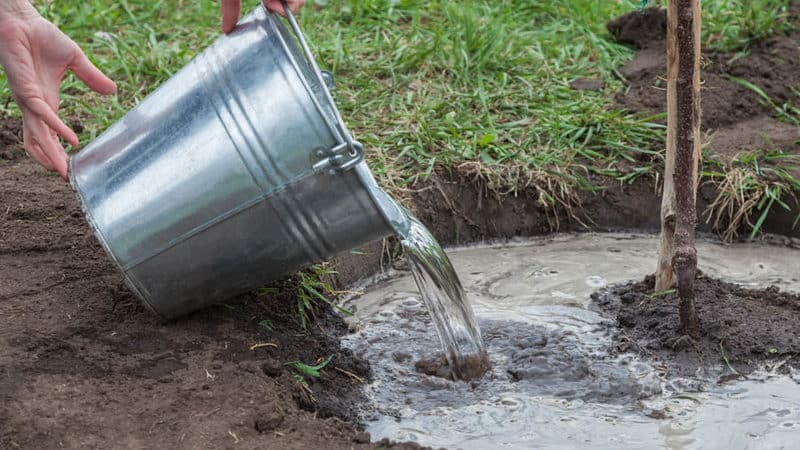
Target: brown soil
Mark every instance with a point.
(640, 29)
(84, 365)
(735, 118)
(751, 328)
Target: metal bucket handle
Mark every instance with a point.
(349, 152)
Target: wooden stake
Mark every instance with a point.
(677, 253)
(664, 278)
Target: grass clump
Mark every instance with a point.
(749, 188)
(754, 183)
(730, 25)
(314, 287)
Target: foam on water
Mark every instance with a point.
(553, 382)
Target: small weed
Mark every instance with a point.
(725, 358)
(304, 370)
(662, 293)
(266, 324)
(315, 287)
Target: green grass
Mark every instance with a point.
(735, 24)
(314, 287)
(484, 82)
(425, 84)
(478, 86)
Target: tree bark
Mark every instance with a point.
(677, 254)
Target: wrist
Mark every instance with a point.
(17, 9)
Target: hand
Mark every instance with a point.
(35, 55)
(232, 8)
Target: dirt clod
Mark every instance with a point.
(268, 421)
(640, 29)
(362, 438)
(272, 368)
(470, 367)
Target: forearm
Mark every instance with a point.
(11, 9)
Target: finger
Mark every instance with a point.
(44, 144)
(91, 75)
(276, 6)
(33, 149)
(296, 5)
(43, 111)
(30, 143)
(55, 151)
(230, 14)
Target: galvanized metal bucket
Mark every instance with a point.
(236, 171)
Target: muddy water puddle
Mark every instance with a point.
(553, 381)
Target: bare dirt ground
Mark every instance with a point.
(84, 365)
(735, 118)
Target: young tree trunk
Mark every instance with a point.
(677, 252)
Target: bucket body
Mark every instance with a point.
(236, 171)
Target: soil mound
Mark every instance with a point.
(640, 29)
(738, 118)
(742, 329)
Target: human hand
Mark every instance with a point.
(232, 8)
(35, 55)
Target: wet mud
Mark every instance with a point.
(558, 377)
(472, 367)
(742, 330)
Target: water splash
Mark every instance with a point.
(446, 301)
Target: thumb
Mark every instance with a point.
(230, 14)
(90, 74)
